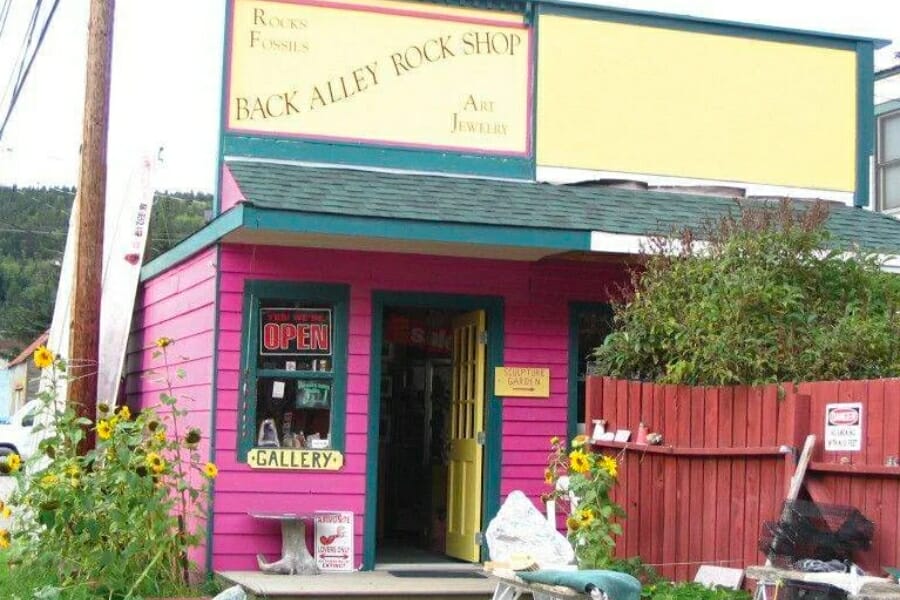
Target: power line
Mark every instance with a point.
(4, 13)
(23, 52)
(34, 54)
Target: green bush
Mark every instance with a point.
(690, 591)
(767, 297)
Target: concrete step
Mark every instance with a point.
(364, 585)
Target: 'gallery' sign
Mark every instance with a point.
(383, 73)
(295, 331)
(289, 458)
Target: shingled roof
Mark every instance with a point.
(576, 207)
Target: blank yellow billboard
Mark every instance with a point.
(666, 102)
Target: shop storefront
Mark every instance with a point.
(390, 314)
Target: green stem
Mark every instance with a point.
(144, 574)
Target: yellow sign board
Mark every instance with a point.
(289, 458)
(379, 73)
(522, 382)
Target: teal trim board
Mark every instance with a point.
(493, 307)
(335, 295)
(407, 229)
(886, 107)
(373, 155)
(865, 120)
(705, 25)
(207, 236)
(223, 105)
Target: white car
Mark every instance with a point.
(16, 436)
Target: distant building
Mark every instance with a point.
(23, 378)
(887, 138)
(5, 395)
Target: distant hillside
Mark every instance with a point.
(33, 223)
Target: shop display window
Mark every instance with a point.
(294, 357)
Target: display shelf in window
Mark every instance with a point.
(295, 375)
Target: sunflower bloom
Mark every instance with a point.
(15, 462)
(163, 342)
(554, 440)
(585, 517)
(124, 413)
(609, 464)
(49, 480)
(104, 429)
(155, 462)
(573, 523)
(73, 470)
(4, 539)
(5, 512)
(579, 440)
(579, 462)
(210, 470)
(43, 358)
(548, 476)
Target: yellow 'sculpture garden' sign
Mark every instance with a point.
(522, 382)
(289, 458)
(382, 74)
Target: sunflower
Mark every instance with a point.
(155, 462)
(4, 539)
(124, 413)
(73, 470)
(5, 511)
(163, 342)
(192, 438)
(585, 516)
(49, 480)
(43, 358)
(160, 437)
(554, 440)
(579, 461)
(103, 407)
(573, 523)
(210, 470)
(104, 429)
(548, 476)
(15, 462)
(579, 440)
(609, 464)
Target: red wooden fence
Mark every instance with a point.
(724, 467)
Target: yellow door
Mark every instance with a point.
(466, 438)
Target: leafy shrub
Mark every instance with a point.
(766, 298)
(690, 591)
(115, 521)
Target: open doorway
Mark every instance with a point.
(414, 435)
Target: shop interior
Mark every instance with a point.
(414, 435)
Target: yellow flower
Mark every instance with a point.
(104, 429)
(113, 421)
(579, 440)
(43, 358)
(585, 516)
(15, 462)
(163, 342)
(49, 480)
(609, 464)
(572, 523)
(579, 461)
(124, 413)
(5, 512)
(548, 476)
(554, 440)
(155, 462)
(4, 539)
(210, 470)
(160, 436)
(73, 470)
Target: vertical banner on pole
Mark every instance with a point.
(123, 256)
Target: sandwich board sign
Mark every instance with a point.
(843, 427)
(334, 541)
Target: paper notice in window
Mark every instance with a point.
(278, 389)
(290, 365)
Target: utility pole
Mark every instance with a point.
(85, 326)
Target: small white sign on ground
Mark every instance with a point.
(334, 541)
(843, 427)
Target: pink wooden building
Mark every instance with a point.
(385, 241)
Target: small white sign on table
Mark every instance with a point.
(843, 427)
(334, 541)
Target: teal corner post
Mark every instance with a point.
(865, 123)
(213, 423)
(493, 307)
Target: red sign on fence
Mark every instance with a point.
(295, 331)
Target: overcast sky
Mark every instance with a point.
(167, 70)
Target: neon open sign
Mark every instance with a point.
(295, 331)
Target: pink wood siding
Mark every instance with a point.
(536, 297)
(179, 304)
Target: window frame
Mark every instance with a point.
(881, 163)
(337, 296)
(576, 310)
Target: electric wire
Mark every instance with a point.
(4, 14)
(23, 52)
(34, 54)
